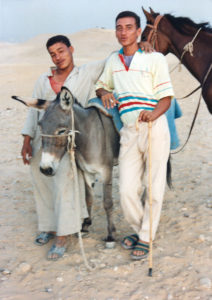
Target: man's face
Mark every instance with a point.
(126, 31)
(61, 55)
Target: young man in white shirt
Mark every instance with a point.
(142, 85)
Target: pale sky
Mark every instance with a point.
(23, 19)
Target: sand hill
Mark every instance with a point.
(182, 254)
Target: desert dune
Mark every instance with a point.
(182, 251)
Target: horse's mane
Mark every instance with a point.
(187, 26)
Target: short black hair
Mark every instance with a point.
(58, 39)
(128, 13)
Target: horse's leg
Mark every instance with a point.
(108, 205)
(207, 93)
(89, 194)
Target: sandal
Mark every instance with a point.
(133, 238)
(43, 238)
(59, 251)
(140, 247)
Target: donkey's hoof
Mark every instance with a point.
(110, 245)
(110, 242)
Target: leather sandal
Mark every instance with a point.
(43, 238)
(140, 247)
(133, 238)
(59, 251)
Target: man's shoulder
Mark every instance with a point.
(112, 58)
(152, 55)
(45, 75)
(155, 57)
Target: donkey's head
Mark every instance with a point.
(55, 127)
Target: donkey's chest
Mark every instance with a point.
(87, 165)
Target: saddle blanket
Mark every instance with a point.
(172, 113)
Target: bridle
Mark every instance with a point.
(70, 136)
(152, 37)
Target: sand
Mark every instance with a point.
(182, 251)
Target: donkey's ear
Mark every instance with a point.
(148, 16)
(66, 99)
(33, 102)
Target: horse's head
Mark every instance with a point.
(153, 32)
(55, 128)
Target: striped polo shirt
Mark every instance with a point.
(139, 86)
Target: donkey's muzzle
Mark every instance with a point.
(47, 171)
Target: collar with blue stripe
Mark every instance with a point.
(121, 51)
(121, 56)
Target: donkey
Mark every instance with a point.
(97, 145)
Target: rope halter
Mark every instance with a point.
(152, 37)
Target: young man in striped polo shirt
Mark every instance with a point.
(142, 85)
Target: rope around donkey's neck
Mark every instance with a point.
(71, 141)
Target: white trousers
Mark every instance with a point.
(57, 209)
(133, 165)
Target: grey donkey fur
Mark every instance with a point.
(97, 145)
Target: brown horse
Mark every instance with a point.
(169, 34)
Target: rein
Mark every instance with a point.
(196, 112)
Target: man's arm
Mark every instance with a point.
(26, 150)
(108, 99)
(30, 125)
(161, 108)
(105, 86)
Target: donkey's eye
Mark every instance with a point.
(61, 131)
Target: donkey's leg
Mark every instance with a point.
(89, 194)
(108, 206)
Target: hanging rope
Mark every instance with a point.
(70, 148)
(71, 151)
(189, 47)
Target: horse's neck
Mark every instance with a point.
(195, 64)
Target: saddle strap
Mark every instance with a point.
(191, 93)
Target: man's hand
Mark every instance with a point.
(108, 99)
(26, 151)
(146, 46)
(161, 108)
(146, 116)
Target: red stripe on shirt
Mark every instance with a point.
(122, 60)
(161, 84)
(132, 103)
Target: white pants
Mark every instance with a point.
(133, 161)
(56, 205)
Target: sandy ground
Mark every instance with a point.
(182, 253)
